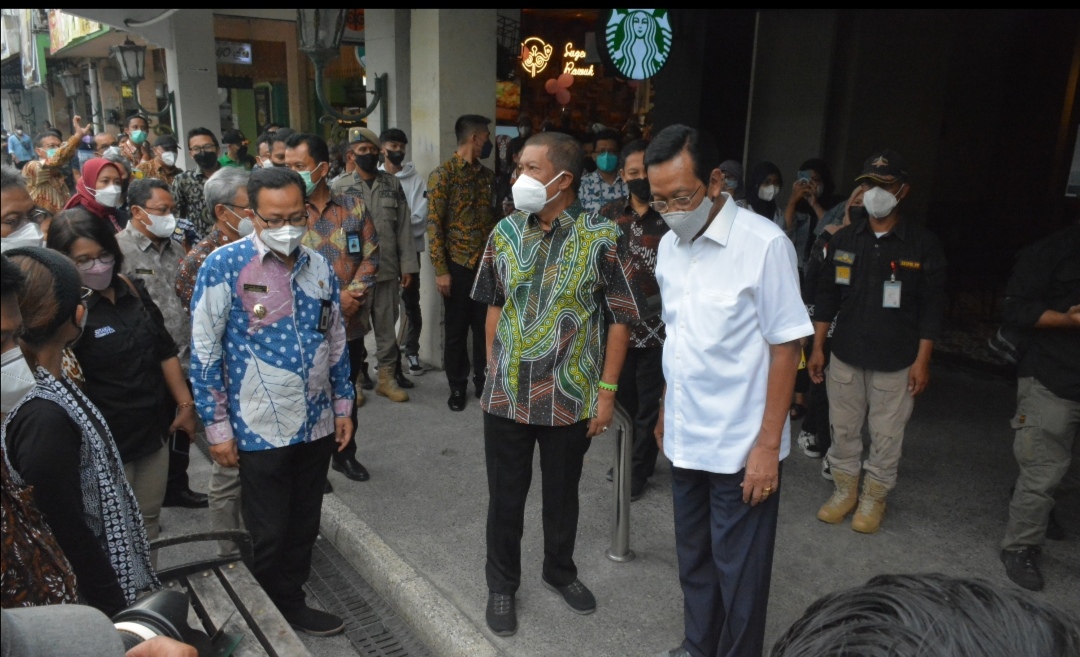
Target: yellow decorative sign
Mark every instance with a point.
(535, 53)
(571, 57)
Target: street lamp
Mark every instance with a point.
(320, 37)
(131, 58)
(16, 96)
(69, 80)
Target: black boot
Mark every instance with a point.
(402, 380)
(365, 380)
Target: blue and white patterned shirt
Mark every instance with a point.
(261, 370)
(595, 193)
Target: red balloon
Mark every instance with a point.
(551, 86)
(562, 96)
(565, 80)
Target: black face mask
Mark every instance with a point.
(367, 162)
(639, 187)
(395, 157)
(205, 159)
(858, 213)
(485, 152)
(242, 153)
(590, 164)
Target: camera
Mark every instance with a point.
(162, 613)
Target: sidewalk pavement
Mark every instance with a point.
(416, 529)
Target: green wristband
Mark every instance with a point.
(608, 386)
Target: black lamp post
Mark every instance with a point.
(320, 37)
(16, 96)
(131, 58)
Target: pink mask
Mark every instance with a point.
(99, 276)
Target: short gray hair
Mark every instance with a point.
(11, 177)
(221, 187)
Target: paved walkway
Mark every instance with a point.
(427, 501)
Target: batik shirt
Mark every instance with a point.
(187, 191)
(155, 168)
(558, 291)
(345, 235)
(262, 371)
(595, 193)
(643, 238)
(45, 179)
(461, 213)
(189, 266)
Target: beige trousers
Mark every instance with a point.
(147, 477)
(224, 494)
(855, 395)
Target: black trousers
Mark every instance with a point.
(414, 321)
(281, 492)
(462, 315)
(817, 411)
(640, 385)
(508, 452)
(357, 353)
(179, 445)
(725, 551)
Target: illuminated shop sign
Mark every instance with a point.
(536, 53)
(638, 41)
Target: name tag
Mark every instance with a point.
(352, 241)
(144, 272)
(845, 257)
(843, 275)
(252, 287)
(911, 264)
(324, 316)
(103, 331)
(890, 297)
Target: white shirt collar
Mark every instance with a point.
(720, 228)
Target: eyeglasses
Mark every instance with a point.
(203, 149)
(37, 215)
(88, 263)
(677, 203)
(84, 293)
(300, 220)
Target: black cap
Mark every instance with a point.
(233, 137)
(885, 166)
(168, 142)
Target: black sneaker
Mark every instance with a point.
(575, 594)
(1022, 569)
(402, 380)
(415, 368)
(501, 614)
(314, 622)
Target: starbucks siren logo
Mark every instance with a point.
(638, 41)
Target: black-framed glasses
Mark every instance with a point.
(299, 220)
(677, 203)
(203, 149)
(37, 215)
(88, 264)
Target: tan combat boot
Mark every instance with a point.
(388, 386)
(843, 499)
(867, 518)
(359, 395)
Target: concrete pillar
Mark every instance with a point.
(387, 50)
(453, 73)
(191, 63)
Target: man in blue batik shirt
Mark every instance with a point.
(270, 372)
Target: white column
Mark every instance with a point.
(453, 73)
(386, 47)
(191, 63)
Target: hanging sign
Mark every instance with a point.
(232, 52)
(535, 53)
(638, 41)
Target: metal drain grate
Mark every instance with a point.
(370, 624)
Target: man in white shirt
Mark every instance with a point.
(734, 316)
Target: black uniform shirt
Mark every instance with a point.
(1047, 277)
(867, 334)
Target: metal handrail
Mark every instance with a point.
(620, 475)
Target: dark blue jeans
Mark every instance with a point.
(725, 550)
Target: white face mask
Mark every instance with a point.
(244, 227)
(111, 151)
(767, 192)
(879, 203)
(109, 197)
(283, 240)
(161, 225)
(168, 158)
(686, 225)
(530, 195)
(16, 379)
(266, 163)
(29, 234)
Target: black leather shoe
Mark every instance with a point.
(402, 380)
(1022, 567)
(457, 400)
(365, 380)
(188, 499)
(351, 468)
(501, 615)
(314, 621)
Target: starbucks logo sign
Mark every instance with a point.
(638, 41)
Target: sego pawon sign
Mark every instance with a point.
(637, 41)
(536, 53)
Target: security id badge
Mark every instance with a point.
(843, 261)
(890, 297)
(352, 241)
(843, 274)
(324, 316)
